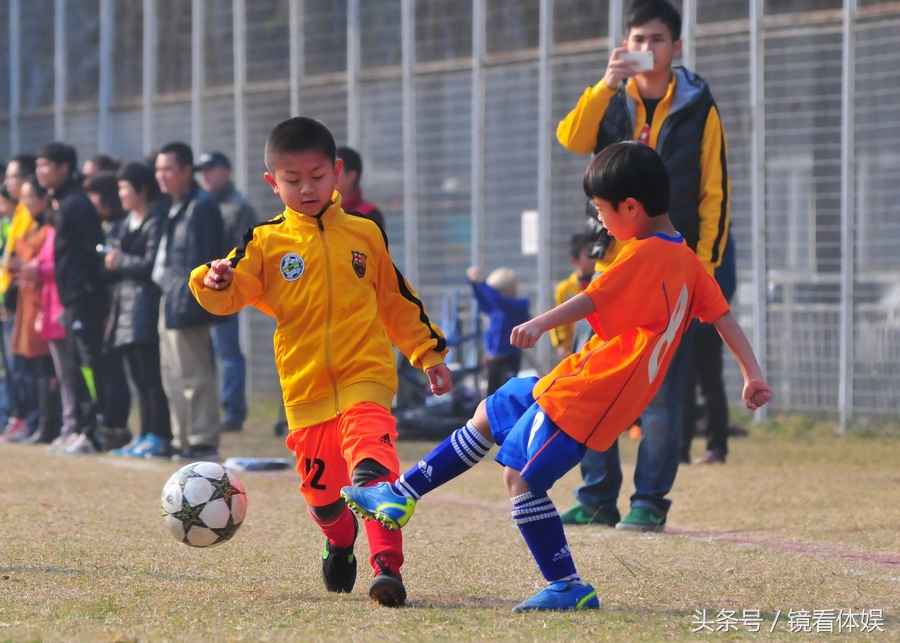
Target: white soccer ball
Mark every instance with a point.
(203, 504)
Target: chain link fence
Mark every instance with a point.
(443, 101)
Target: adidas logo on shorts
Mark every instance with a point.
(385, 439)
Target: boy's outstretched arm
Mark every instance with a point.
(756, 391)
(526, 335)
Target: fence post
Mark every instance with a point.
(848, 56)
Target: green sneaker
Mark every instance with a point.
(642, 518)
(581, 515)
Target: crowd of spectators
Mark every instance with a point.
(96, 309)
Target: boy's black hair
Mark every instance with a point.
(60, 153)
(352, 161)
(577, 243)
(629, 169)
(27, 164)
(299, 134)
(183, 153)
(4, 192)
(643, 11)
(142, 179)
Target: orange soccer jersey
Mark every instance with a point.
(644, 303)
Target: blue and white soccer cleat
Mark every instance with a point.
(561, 596)
(380, 503)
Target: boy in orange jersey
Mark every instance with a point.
(328, 279)
(639, 307)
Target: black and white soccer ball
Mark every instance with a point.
(203, 504)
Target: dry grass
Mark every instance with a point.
(797, 519)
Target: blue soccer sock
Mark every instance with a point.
(538, 520)
(465, 448)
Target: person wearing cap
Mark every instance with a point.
(238, 216)
(348, 185)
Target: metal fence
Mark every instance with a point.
(454, 106)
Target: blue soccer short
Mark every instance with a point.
(529, 441)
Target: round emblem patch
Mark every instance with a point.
(292, 266)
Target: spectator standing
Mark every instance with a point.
(82, 290)
(7, 207)
(672, 110)
(44, 416)
(192, 235)
(238, 216)
(349, 186)
(134, 315)
(496, 297)
(50, 328)
(102, 189)
(21, 383)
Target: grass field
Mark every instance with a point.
(798, 519)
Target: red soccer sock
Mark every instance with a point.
(386, 544)
(340, 531)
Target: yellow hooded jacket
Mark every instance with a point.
(340, 304)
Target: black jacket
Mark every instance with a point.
(78, 266)
(193, 236)
(135, 303)
(680, 146)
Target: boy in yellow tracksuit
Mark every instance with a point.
(328, 279)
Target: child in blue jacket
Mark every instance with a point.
(496, 297)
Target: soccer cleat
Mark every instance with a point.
(642, 518)
(561, 596)
(581, 515)
(380, 503)
(387, 587)
(339, 565)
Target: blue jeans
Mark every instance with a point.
(227, 346)
(658, 453)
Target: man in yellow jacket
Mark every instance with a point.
(672, 110)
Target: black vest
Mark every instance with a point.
(680, 146)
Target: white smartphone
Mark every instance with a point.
(644, 59)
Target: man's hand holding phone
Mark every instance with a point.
(624, 64)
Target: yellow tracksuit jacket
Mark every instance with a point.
(340, 304)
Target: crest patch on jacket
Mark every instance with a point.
(292, 266)
(359, 263)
